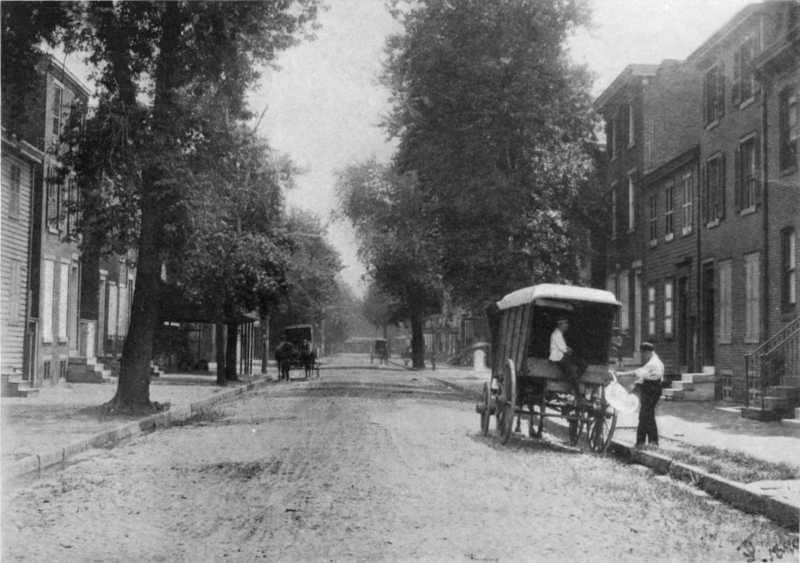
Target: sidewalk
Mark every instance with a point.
(67, 413)
(682, 425)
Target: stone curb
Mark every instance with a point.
(737, 494)
(37, 463)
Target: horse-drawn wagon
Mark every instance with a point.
(298, 352)
(525, 384)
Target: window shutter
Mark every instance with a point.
(723, 187)
(707, 102)
(721, 88)
(757, 174)
(737, 181)
(737, 78)
(705, 193)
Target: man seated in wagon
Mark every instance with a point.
(564, 356)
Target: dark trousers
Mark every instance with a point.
(650, 394)
(573, 368)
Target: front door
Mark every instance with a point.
(637, 313)
(683, 329)
(708, 314)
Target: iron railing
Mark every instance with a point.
(772, 362)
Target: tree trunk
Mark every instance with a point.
(417, 340)
(230, 352)
(133, 387)
(219, 344)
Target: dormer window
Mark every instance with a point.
(55, 109)
(744, 76)
(714, 94)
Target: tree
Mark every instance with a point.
(379, 309)
(396, 242)
(494, 121)
(235, 261)
(311, 274)
(163, 68)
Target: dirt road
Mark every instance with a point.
(361, 465)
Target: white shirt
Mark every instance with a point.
(558, 347)
(653, 370)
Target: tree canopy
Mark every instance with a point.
(396, 241)
(494, 122)
(172, 80)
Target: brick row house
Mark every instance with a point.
(46, 336)
(702, 175)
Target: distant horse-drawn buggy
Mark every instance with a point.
(526, 385)
(296, 351)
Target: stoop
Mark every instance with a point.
(692, 387)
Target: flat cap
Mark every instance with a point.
(647, 346)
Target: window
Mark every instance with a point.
(631, 203)
(669, 211)
(53, 193)
(788, 269)
(63, 301)
(714, 94)
(610, 138)
(687, 187)
(624, 298)
(788, 128)
(47, 303)
(111, 322)
(744, 77)
(55, 110)
(747, 162)
(631, 134)
(653, 220)
(15, 293)
(752, 312)
(614, 210)
(651, 310)
(715, 189)
(14, 192)
(64, 207)
(668, 307)
(725, 303)
(621, 127)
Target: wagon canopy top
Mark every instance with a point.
(558, 292)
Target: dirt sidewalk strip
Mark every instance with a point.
(739, 495)
(39, 462)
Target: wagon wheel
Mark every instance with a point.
(602, 430)
(536, 422)
(576, 420)
(574, 431)
(507, 403)
(486, 414)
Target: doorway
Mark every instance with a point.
(683, 329)
(708, 314)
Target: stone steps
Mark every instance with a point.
(692, 387)
(83, 370)
(15, 386)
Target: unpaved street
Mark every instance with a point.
(360, 465)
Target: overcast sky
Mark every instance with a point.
(325, 104)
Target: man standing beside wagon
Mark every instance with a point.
(648, 378)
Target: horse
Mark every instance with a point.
(307, 357)
(284, 354)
